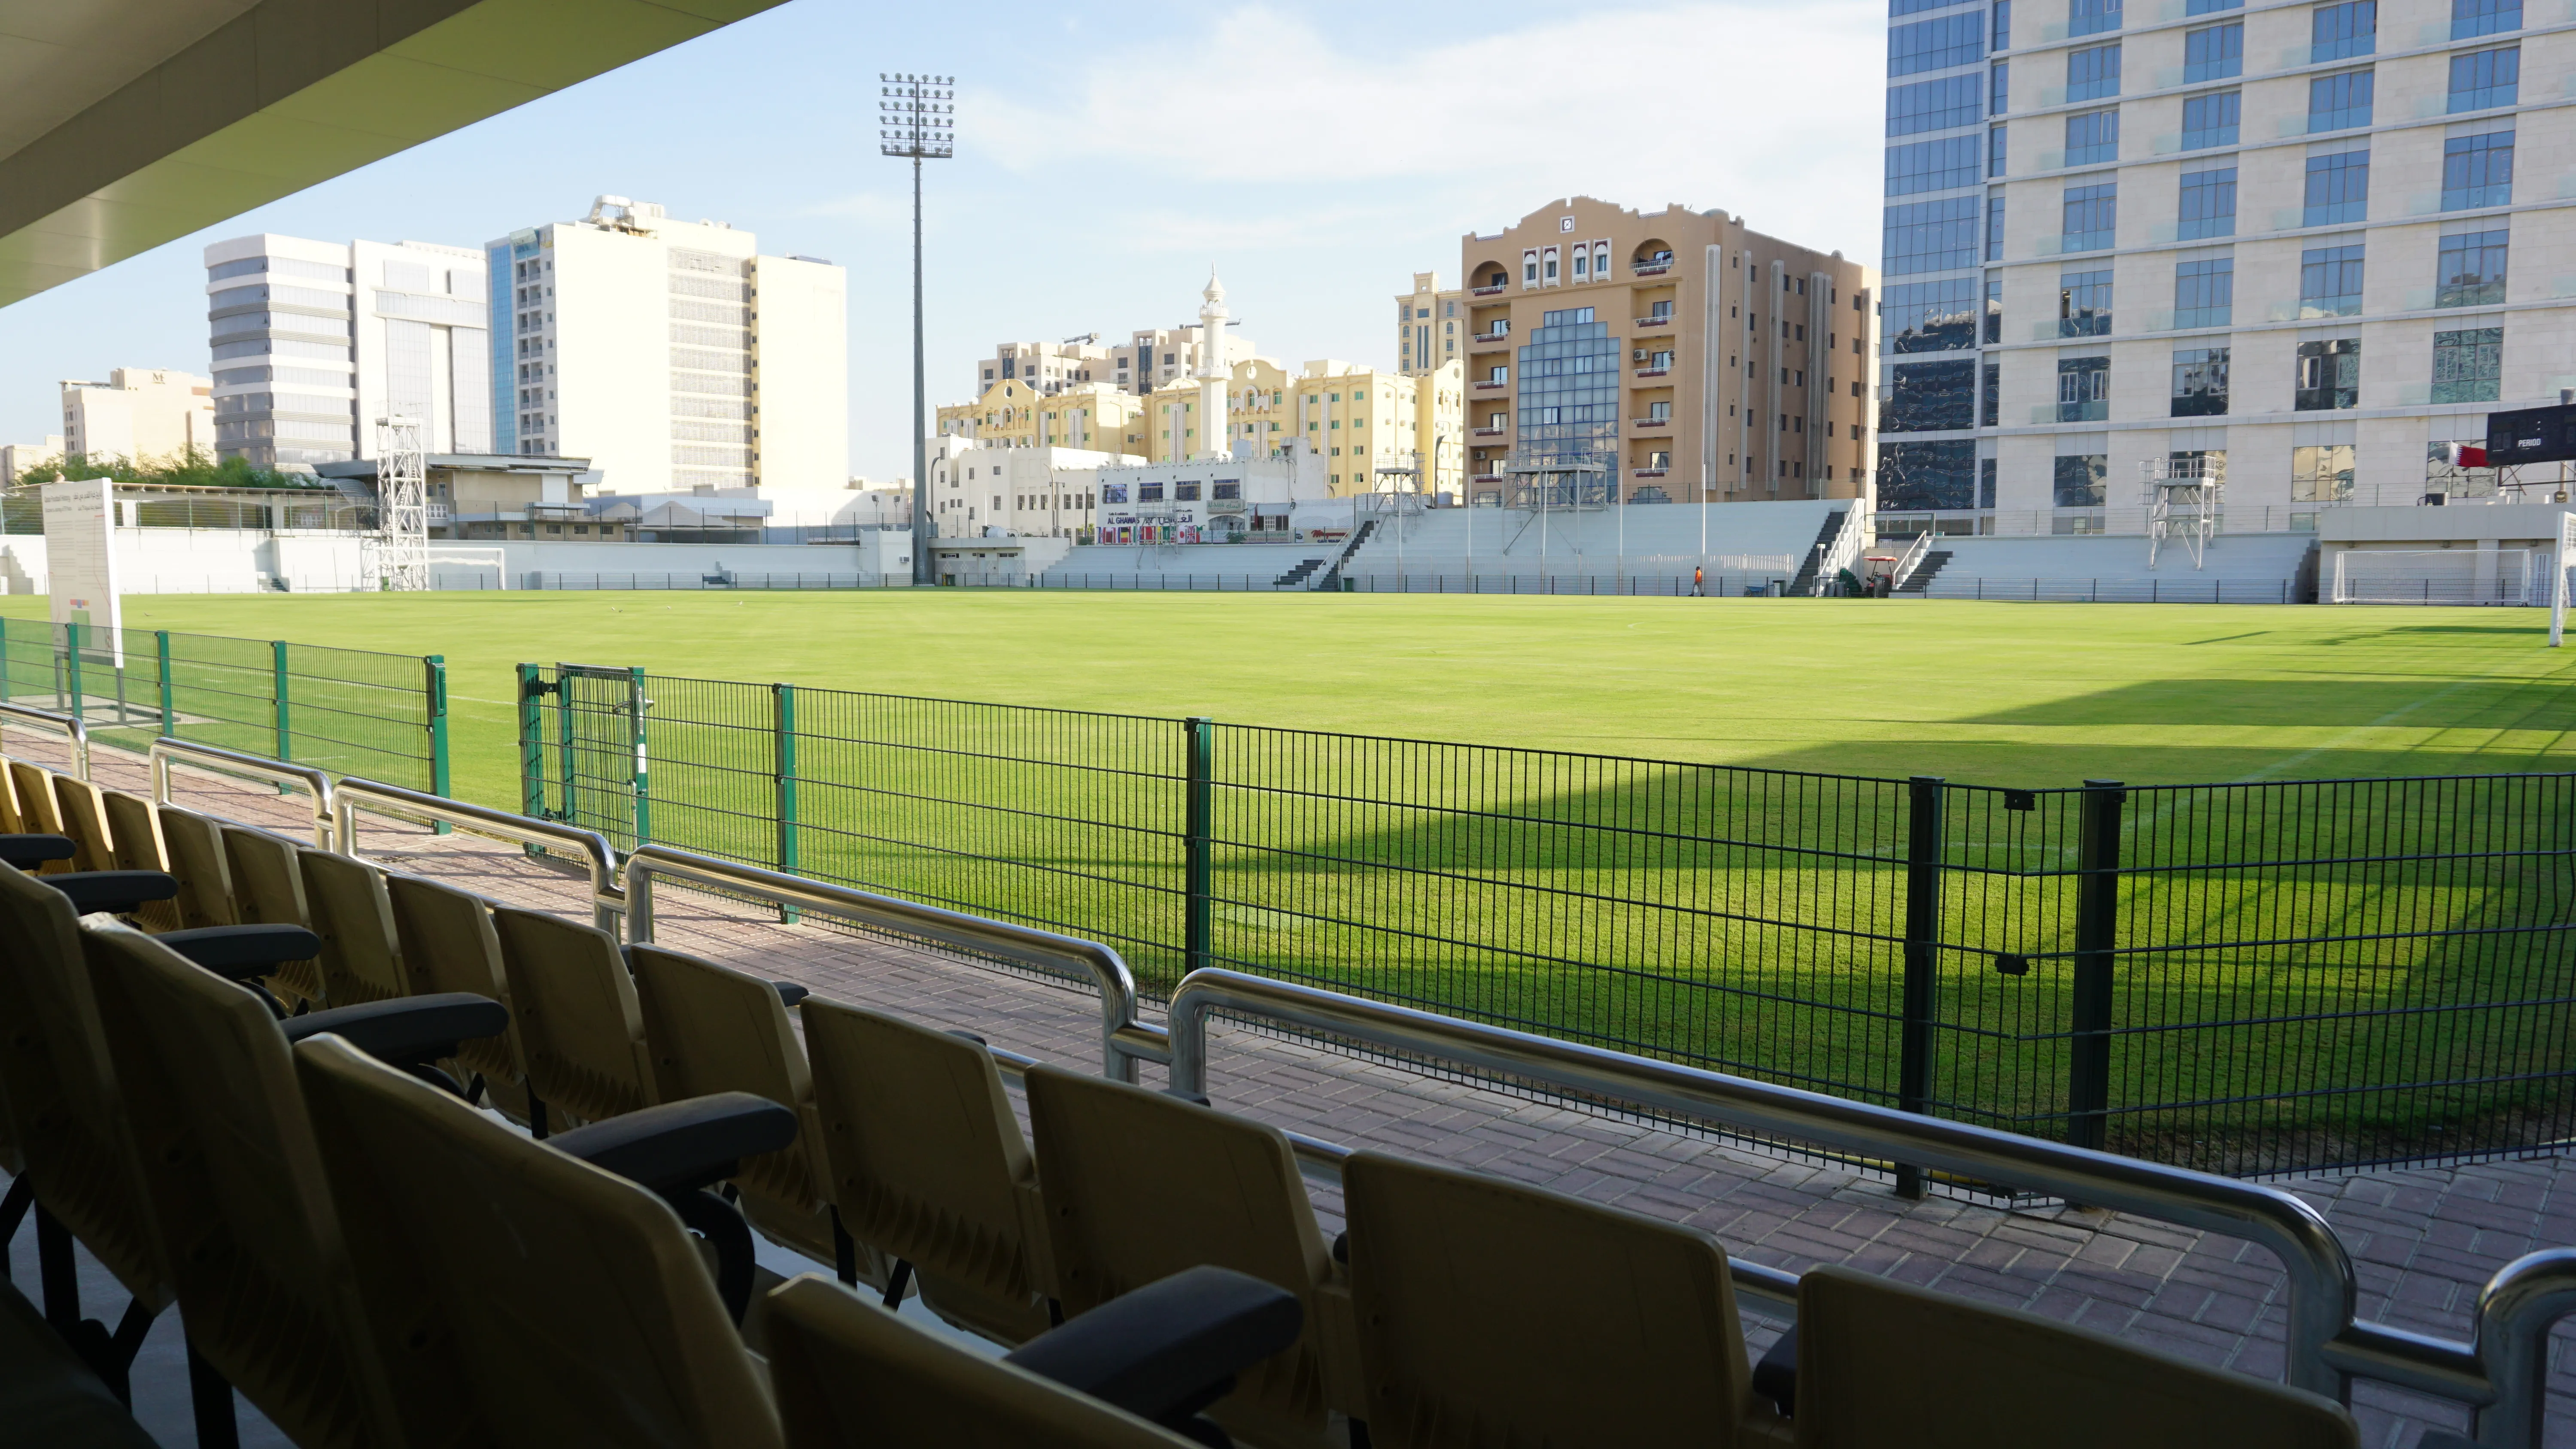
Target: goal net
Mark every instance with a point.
(2442, 576)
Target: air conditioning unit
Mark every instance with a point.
(1637, 356)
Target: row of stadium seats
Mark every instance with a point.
(370, 1256)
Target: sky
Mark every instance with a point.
(1315, 156)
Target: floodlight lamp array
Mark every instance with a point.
(917, 115)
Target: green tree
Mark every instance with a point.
(190, 468)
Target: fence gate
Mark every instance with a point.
(584, 759)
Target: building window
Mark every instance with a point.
(1931, 397)
(2468, 366)
(2200, 382)
(2339, 32)
(2082, 480)
(2486, 78)
(1994, 309)
(1996, 147)
(1916, 477)
(1999, 94)
(2210, 7)
(2092, 17)
(1934, 105)
(2091, 216)
(1990, 395)
(2213, 54)
(1994, 228)
(2477, 171)
(2002, 14)
(2084, 304)
(2330, 281)
(2205, 292)
(2093, 74)
(2092, 137)
(2322, 473)
(2208, 204)
(1943, 165)
(2470, 269)
(1930, 316)
(2083, 389)
(2329, 376)
(1937, 44)
(2473, 18)
(1931, 236)
(2339, 102)
(2338, 189)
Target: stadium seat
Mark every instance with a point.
(579, 1022)
(84, 817)
(927, 1164)
(134, 827)
(1140, 1185)
(268, 890)
(11, 821)
(447, 943)
(248, 1225)
(714, 1029)
(38, 813)
(75, 1153)
(350, 912)
(1485, 1306)
(1881, 1363)
(192, 848)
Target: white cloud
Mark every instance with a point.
(1711, 105)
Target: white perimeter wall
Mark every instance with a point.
(224, 561)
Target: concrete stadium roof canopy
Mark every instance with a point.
(127, 123)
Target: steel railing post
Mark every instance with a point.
(1925, 799)
(2097, 924)
(1200, 821)
(783, 779)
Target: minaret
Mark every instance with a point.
(1216, 378)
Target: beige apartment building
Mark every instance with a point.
(1678, 352)
(1149, 358)
(1427, 330)
(1356, 419)
(140, 415)
(1093, 415)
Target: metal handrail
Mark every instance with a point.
(70, 728)
(1124, 1041)
(167, 752)
(607, 899)
(1910, 560)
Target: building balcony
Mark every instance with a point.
(1646, 472)
(1484, 477)
(1650, 269)
(1650, 422)
(1490, 386)
(1490, 339)
(1654, 372)
(1494, 291)
(1665, 320)
(1486, 432)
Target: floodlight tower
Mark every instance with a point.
(917, 121)
(402, 505)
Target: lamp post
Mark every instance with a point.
(917, 120)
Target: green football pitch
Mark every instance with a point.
(2021, 694)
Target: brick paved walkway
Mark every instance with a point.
(2424, 1240)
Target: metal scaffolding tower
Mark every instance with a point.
(402, 506)
(2182, 503)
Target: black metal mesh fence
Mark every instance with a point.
(2253, 979)
(347, 711)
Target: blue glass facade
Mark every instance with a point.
(505, 406)
(1569, 391)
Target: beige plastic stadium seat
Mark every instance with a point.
(559, 1304)
(12, 822)
(714, 1029)
(1140, 1185)
(1886, 1363)
(65, 1108)
(850, 1373)
(84, 817)
(360, 961)
(1490, 1313)
(193, 846)
(37, 812)
(263, 1276)
(135, 827)
(579, 1022)
(268, 890)
(928, 1166)
(448, 944)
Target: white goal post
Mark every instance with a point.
(442, 555)
(2436, 576)
(2565, 560)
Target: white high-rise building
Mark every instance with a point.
(314, 341)
(2290, 245)
(671, 354)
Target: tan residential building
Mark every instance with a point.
(140, 415)
(1428, 330)
(1148, 358)
(1356, 419)
(17, 458)
(1679, 352)
(1091, 415)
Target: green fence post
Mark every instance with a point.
(278, 691)
(643, 775)
(1922, 958)
(532, 744)
(1199, 826)
(2097, 925)
(71, 669)
(4, 659)
(169, 701)
(783, 774)
(434, 697)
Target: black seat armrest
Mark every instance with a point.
(1775, 1377)
(1171, 1348)
(407, 1030)
(26, 852)
(117, 891)
(682, 1145)
(789, 993)
(238, 953)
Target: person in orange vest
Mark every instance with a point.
(1699, 581)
